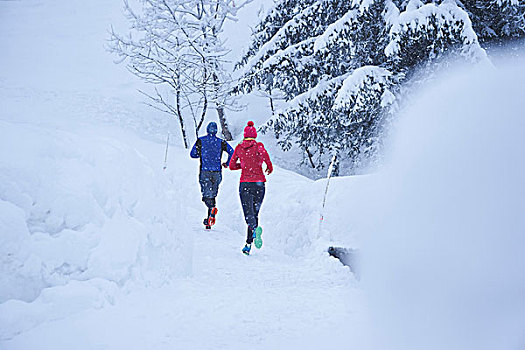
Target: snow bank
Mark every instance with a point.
(55, 303)
(444, 265)
(83, 204)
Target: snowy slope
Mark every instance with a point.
(97, 229)
(444, 263)
(101, 248)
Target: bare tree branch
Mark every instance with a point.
(174, 43)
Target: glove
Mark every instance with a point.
(224, 165)
(269, 171)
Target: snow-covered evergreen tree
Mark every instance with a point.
(340, 65)
(424, 32)
(347, 53)
(497, 20)
(341, 116)
(272, 23)
(284, 61)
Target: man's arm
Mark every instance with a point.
(196, 150)
(228, 149)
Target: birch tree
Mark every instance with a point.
(175, 45)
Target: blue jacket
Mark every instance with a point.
(209, 149)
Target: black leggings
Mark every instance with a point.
(252, 195)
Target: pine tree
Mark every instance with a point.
(272, 23)
(283, 61)
(423, 33)
(341, 73)
(348, 53)
(497, 20)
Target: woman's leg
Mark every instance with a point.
(258, 196)
(247, 198)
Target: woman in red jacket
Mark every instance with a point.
(249, 156)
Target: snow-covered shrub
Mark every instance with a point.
(447, 219)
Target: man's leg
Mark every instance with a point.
(215, 179)
(206, 189)
(209, 181)
(206, 186)
(210, 202)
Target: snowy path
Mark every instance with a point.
(266, 300)
(101, 249)
(289, 292)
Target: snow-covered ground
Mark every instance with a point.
(100, 248)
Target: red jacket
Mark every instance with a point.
(249, 156)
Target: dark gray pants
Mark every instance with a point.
(252, 195)
(209, 181)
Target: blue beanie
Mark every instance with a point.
(212, 128)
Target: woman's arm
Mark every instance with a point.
(234, 161)
(266, 158)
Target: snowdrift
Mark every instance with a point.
(81, 206)
(89, 221)
(443, 261)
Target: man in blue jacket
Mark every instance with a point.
(209, 149)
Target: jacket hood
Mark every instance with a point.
(247, 143)
(212, 128)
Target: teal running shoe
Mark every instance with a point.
(257, 237)
(246, 249)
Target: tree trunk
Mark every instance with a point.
(310, 157)
(224, 125)
(220, 112)
(181, 121)
(203, 115)
(204, 95)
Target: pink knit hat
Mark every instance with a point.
(249, 131)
